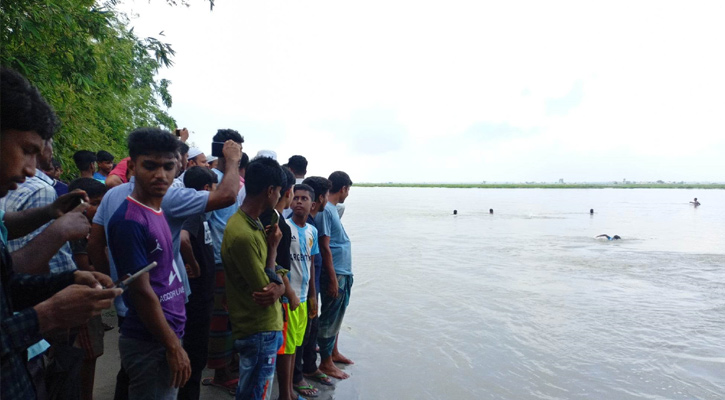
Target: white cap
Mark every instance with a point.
(211, 159)
(194, 151)
(267, 153)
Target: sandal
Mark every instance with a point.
(321, 378)
(307, 391)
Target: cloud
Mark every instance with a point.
(370, 131)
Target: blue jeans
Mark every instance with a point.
(147, 368)
(257, 359)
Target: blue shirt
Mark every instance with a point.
(60, 187)
(328, 224)
(37, 192)
(218, 222)
(99, 177)
(178, 204)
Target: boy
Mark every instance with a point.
(90, 335)
(105, 165)
(197, 252)
(85, 162)
(138, 234)
(303, 248)
(253, 287)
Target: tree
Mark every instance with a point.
(95, 72)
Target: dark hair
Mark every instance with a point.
(146, 141)
(183, 148)
(84, 159)
(222, 135)
(289, 179)
(244, 161)
(319, 184)
(298, 164)
(262, 173)
(22, 107)
(339, 180)
(197, 177)
(91, 186)
(103, 155)
(311, 191)
(56, 164)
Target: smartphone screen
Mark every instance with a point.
(275, 217)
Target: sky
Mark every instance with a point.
(455, 91)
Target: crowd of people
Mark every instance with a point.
(250, 265)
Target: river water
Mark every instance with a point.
(526, 304)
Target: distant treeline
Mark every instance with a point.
(550, 185)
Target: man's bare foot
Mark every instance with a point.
(329, 368)
(339, 358)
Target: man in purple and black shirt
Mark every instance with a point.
(138, 234)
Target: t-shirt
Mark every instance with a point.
(137, 236)
(99, 177)
(201, 244)
(318, 258)
(328, 224)
(283, 248)
(178, 204)
(218, 222)
(60, 187)
(303, 246)
(244, 255)
(120, 170)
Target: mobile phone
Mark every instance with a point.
(126, 279)
(275, 217)
(217, 149)
(177, 132)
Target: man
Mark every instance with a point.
(197, 252)
(85, 162)
(253, 288)
(37, 191)
(221, 358)
(178, 204)
(182, 155)
(306, 357)
(336, 279)
(138, 234)
(105, 165)
(303, 248)
(242, 171)
(298, 165)
(196, 158)
(33, 305)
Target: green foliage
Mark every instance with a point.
(94, 71)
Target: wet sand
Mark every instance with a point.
(109, 363)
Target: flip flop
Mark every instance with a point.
(321, 378)
(311, 388)
(230, 385)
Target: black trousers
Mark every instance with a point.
(196, 334)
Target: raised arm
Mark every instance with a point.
(226, 192)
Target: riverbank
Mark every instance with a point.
(549, 185)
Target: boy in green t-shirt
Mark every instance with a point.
(253, 286)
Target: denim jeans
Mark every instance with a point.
(257, 359)
(147, 368)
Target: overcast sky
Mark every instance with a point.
(393, 91)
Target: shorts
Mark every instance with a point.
(90, 338)
(293, 331)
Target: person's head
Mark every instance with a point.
(616, 237)
(54, 170)
(200, 178)
(321, 186)
(263, 181)
(212, 162)
(26, 122)
(105, 162)
(95, 191)
(153, 159)
(196, 158)
(222, 135)
(85, 161)
(243, 162)
(182, 155)
(286, 192)
(340, 185)
(302, 200)
(298, 165)
(45, 159)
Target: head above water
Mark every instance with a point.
(26, 122)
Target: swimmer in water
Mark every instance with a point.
(604, 235)
(695, 202)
